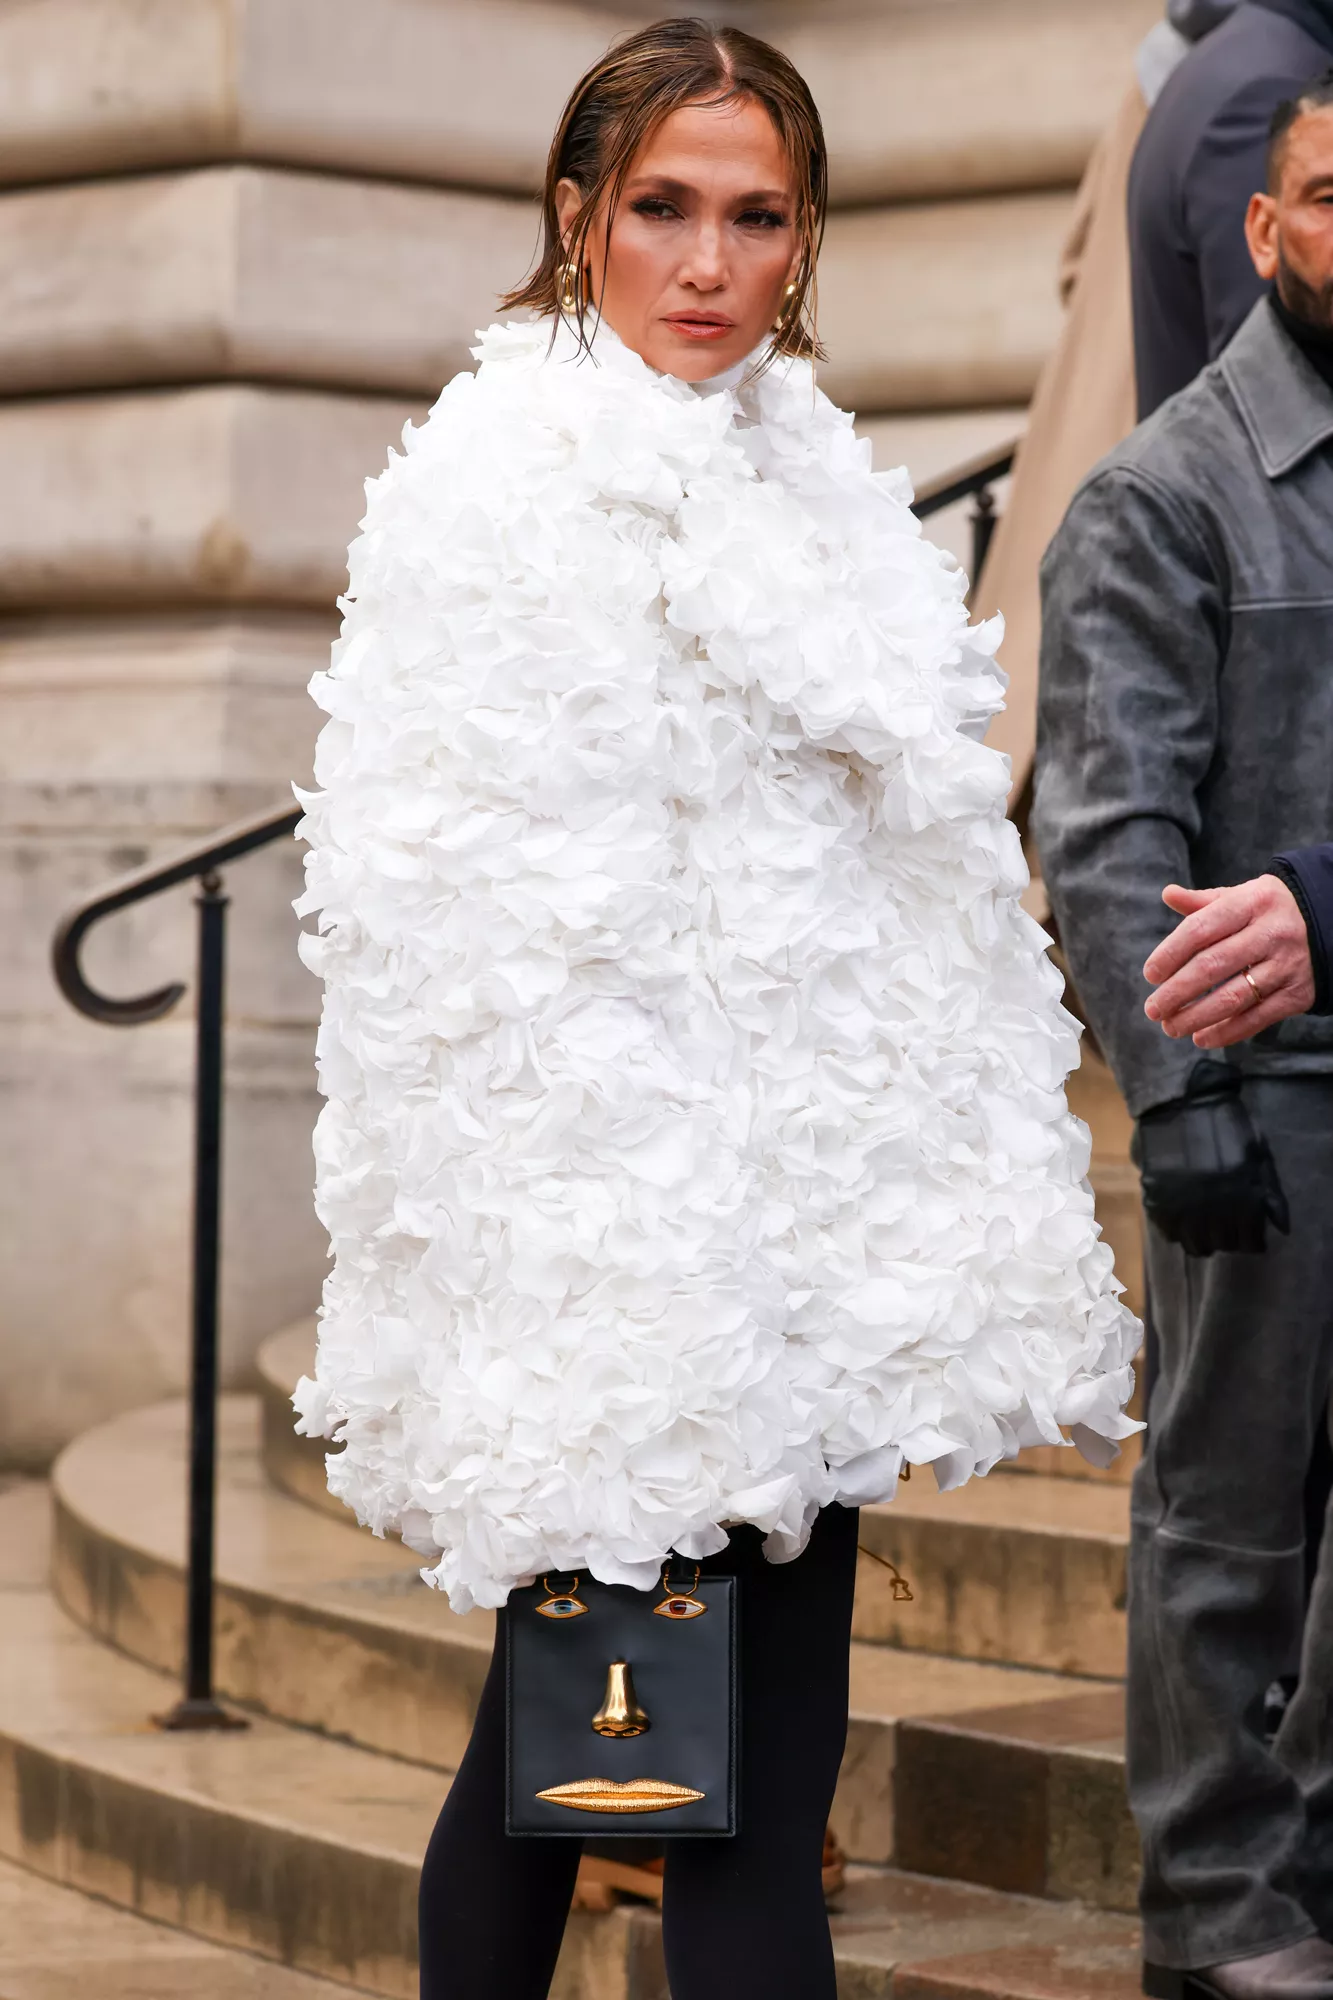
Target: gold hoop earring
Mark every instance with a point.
(570, 279)
(787, 312)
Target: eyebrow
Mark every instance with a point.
(772, 196)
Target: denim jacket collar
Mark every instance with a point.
(1285, 407)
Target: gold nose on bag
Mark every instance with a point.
(620, 1714)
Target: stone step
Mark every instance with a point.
(273, 1840)
(320, 1624)
(1025, 1572)
(917, 101)
(368, 286)
(276, 1841)
(291, 1462)
(1026, 1797)
(55, 1942)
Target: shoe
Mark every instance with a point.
(1301, 1971)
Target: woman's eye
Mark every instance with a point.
(655, 208)
(763, 218)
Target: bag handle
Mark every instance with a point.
(677, 1589)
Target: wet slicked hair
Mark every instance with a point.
(1316, 96)
(619, 104)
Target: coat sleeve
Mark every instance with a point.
(1226, 168)
(1308, 873)
(1132, 643)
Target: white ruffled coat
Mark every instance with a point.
(695, 1148)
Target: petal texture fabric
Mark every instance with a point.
(695, 1148)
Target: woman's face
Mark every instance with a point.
(703, 243)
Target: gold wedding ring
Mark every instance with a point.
(1249, 979)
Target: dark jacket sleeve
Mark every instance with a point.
(1132, 642)
(1226, 168)
(1308, 873)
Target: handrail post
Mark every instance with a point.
(983, 528)
(198, 1708)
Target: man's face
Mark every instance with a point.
(1290, 231)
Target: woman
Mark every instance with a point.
(695, 1152)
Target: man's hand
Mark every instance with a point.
(1200, 969)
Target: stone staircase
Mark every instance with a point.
(981, 1799)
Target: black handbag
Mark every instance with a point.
(622, 1708)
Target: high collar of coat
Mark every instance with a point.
(1285, 407)
(539, 340)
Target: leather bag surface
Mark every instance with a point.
(622, 1712)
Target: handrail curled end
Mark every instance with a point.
(199, 863)
(100, 1006)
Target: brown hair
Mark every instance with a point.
(617, 106)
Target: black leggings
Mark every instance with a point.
(742, 1919)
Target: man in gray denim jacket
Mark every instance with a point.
(1186, 735)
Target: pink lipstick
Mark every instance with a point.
(701, 326)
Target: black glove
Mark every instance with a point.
(1209, 1182)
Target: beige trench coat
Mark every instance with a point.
(1084, 404)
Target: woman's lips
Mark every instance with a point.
(699, 328)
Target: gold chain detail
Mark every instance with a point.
(903, 1592)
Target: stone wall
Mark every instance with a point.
(241, 242)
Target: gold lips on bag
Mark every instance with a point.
(637, 1795)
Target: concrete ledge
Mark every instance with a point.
(465, 90)
(254, 272)
(208, 708)
(219, 495)
(325, 281)
(978, 95)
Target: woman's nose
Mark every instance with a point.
(705, 265)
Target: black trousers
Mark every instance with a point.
(743, 1919)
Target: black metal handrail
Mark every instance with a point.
(975, 480)
(198, 1707)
